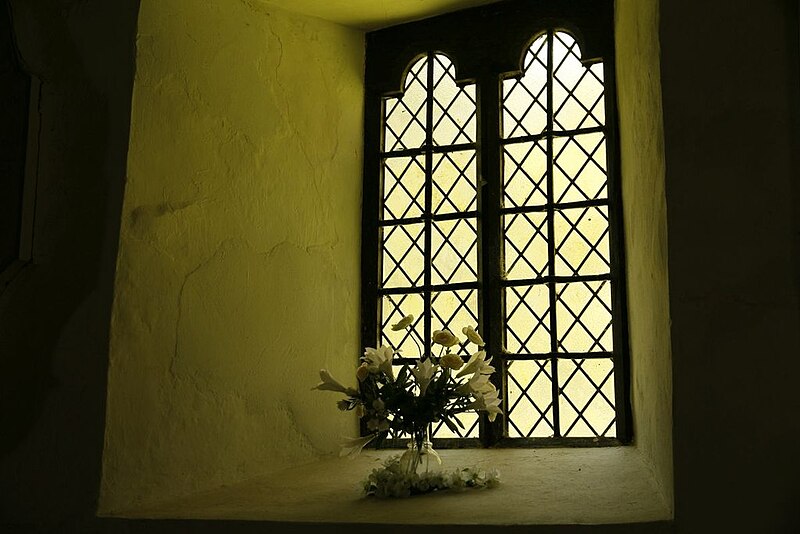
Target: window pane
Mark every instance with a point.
(394, 308)
(454, 246)
(403, 256)
(586, 404)
(405, 118)
(470, 430)
(579, 169)
(578, 100)
(525, 174)
(454, 182)
(582, 241)
(525, 98)
(527, 321)
(454, 310)
(403, 187)
(530, 399)
(583, 316)
(453, 106)
(525, 245)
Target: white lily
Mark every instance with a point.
(478, 384)
(403, 323)
(331, 384)
(423, 372)
(488, 402)
(477, 364)
(352, 447)
(379, 359)
(473, 335)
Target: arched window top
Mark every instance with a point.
(553, 68)
(430, 94)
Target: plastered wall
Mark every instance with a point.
(238, 269)
(645, 223)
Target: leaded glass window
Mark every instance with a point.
(558, 310)
(491, 200)
(429, 228)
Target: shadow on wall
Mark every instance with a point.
(54, 317)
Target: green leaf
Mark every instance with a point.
(450, 425)
(402, 375)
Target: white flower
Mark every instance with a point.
(477, 385)
(451, 361)
(352, 446)
(488, 402)
(362, 372)
(423, 372)
(445, 338)
(473, 335)
(477, 364)
(331, 384)
(379, 360)
(403, 323)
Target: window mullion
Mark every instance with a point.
(551, 245)
(490, 241)
(428, 213)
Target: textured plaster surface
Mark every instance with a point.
(645, 223)
(545, 487)
(237, 275)
(372, 14)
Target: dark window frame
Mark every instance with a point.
(487, 45)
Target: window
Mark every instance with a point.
(491, 199)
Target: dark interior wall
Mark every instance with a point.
(54, 317)
(730, 101)
(731, 90)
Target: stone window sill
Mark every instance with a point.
(610, 485)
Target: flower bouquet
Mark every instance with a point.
(437, 389)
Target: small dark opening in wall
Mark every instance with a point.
(15, 93)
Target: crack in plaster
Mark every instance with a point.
(173, 361)
(305, 442)
(297, 134)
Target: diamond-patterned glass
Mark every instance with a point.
(454, 310)
(470, 430)
(527, 321)
(407, 342)
(525, 174)
(525, 245)
(403, 256)
(403, 187)
(582, 241)
(583, 316)
(405, 118)
(547, 162)
(453, 107)
(525, 98)
(454, 245)
(530, 399)
(578, 100)
(454, 182)
(586, 403)
(579, 168)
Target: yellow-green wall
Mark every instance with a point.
(645, 221)
(238, 267)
